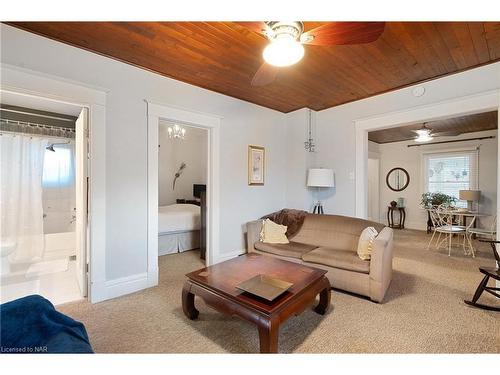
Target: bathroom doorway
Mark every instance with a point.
(44, 195)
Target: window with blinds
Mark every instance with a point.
(450, 172)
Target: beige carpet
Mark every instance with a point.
(423, 313)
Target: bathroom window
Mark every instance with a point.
(58, 167)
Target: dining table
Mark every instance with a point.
(462, 216)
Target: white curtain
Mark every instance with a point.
(21, 206)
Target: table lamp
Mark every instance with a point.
(320, 178)
(470, 196)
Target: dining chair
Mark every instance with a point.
(490, 233)
(435, 224)
(446, 227)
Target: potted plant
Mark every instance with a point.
(435, 199)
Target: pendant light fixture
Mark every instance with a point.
(309, 145)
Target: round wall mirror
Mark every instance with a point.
(397, 179)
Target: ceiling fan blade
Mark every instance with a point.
(337, 33)
(446, 134)
(257, 26)
(265, 75)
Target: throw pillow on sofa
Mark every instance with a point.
(365, 242)
(272, 232)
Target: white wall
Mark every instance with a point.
(397, 154)
(126, 143)
(172, 153)
(336, 132)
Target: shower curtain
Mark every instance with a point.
(21, 207)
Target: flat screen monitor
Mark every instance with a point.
(197, 189)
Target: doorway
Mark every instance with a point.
(455, 156)
(211, 124)
(44, 239)
(483, 102)
(182, 186)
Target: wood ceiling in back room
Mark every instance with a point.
(460, 125)
(224, 56)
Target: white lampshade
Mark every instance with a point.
(320, 177)
(469, 195)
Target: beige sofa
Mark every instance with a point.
(330, 242)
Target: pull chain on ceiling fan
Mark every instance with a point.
(287, 40)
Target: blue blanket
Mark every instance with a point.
(32, 325)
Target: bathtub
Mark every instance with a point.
(58, 244)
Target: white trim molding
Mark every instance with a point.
(157, 112)
(466, 105)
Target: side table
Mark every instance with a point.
(390, 217)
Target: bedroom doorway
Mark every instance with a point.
(44, 239)
(160, 118)
(182, 182)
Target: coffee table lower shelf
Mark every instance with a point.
(267, 324)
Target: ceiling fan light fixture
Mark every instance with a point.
(424, 138)
(424, 134)
(284, 50)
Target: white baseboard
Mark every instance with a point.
(416, 225)
(134, 283)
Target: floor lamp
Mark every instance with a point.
(320, 178)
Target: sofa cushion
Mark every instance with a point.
(273, 233)
(291, 249)
(344, 259)
(341, 232)
(365, 243)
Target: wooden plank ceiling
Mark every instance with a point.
(463, 124)
(224, 56)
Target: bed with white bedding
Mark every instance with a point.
(178, 228)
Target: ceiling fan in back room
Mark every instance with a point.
(425, 134)
(287, 40)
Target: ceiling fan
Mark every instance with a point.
(286, 40)
(425, 134)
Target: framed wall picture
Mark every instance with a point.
(256, 165)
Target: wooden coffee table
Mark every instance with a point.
(216, 285)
